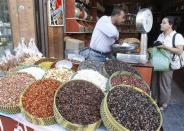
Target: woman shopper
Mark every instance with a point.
(165, 38)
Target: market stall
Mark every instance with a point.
(56, 94)
(71, 93)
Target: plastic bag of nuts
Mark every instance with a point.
(37, 101)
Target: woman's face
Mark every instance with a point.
(164, 26)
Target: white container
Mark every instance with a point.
(132, 58)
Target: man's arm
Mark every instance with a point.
(108, 30)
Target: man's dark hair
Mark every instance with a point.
(117, 10)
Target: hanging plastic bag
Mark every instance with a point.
(33, 50)
(159, 59)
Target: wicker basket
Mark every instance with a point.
(105, 73)
(33, 119)
(126, 73)
(12, 109)
(52, 60)
(109, 121)
(71, 126)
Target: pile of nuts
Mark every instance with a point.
(112, 66)
(79, 102)
(133, 109)
(38, 98)
(12, 86)
(62, 74)
(130, 80)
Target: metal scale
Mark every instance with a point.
(144, 22)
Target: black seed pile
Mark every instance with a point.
(132, 109)
(130, 80)
(112, 66)
(91, 64)
(79, 102)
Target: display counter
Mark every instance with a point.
(17, 122)
(146, 71)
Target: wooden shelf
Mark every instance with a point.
(79, 25)
(85, 20)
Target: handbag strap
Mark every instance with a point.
(173, 43)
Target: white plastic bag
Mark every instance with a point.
(33, 50)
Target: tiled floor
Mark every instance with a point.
(173, 116)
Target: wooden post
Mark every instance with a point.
(22, 19)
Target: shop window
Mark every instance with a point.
(5, 28)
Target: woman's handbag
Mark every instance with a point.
(159, 59)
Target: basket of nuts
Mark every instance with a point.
(11, 87)
(77, 105)
(127, 108)
(127, 78)
(36, 101)
(112, 66)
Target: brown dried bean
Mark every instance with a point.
(38, 98)
(133, 109)
(79, 102)
(12, 86)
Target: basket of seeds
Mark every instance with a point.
(127, 108)
(77, 105)
(45, 63)
(36, 102)
(91, 64)
(127, 78)
(111, 66)
(11, 87)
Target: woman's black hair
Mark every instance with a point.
(172, 21)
